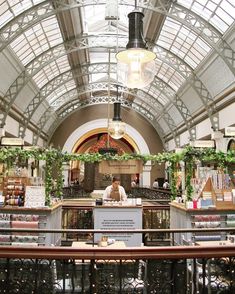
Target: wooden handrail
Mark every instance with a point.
(106, 253)
(91, 231)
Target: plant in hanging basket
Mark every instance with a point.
(102, 146)
(110, 150)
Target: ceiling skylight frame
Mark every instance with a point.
(220, 14)
(37, 39)
(180, 40)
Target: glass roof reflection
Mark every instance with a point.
(60, 91)
(169, 75)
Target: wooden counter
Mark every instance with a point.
(116, 244)
(28, 210)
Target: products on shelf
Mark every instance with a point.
(14, 191)
(22, 221)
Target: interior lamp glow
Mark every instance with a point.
(136, 66)
(117, 128)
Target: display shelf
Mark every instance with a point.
(14, 190)
(208, 221)
(30, 218)
(221, 197)
(183, 218)
(22, 221)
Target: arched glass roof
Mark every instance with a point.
(52, 38)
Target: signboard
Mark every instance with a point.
(203, 143)
(230, 131)
(115, 218)
(35, 196)
(12, 141)
(121, 167)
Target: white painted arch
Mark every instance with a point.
(102, 123)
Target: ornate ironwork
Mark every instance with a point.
(113, 276)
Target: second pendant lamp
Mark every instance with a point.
(117, 127)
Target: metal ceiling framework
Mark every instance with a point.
(64, 78)
(52, 54)
(142, 101)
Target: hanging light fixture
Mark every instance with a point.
(135, 65)
(117, 127)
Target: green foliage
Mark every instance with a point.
(55, 158)
(172, 171)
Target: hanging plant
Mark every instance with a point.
(190, 155)
(48, 179)
(59, 166)
(188, 181)
(173, 179)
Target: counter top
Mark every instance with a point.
(118, 206)
(12, 209)
(182, 207)
(215, 243)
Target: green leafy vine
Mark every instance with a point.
(55, 158)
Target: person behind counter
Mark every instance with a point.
(155, 184)
(115, 192)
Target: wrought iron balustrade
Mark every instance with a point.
(76, 191)
(165, 270)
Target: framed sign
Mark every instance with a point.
(35, 196)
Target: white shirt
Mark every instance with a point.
(155, 185)
(133, 184)
(108, 190)
(166, 185)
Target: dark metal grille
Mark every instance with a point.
(178, 276)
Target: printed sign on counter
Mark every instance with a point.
(113, 218)
(35, 196)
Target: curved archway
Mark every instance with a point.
(132, 136)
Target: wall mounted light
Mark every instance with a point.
(135, 65)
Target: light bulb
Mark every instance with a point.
(136, 67)
(117, 129)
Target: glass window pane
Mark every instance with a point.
(37, 40)
(9, 9)
(51, 71)
(182, 42)
(220, 14)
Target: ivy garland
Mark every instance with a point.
(56, 158)
(172, 171)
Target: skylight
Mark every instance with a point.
(37, 39)
(183, 42)
(219, 13)
(11, 8)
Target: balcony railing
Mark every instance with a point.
(76, 191)
(173, 270)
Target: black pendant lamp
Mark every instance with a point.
(136, 66)
(117, 127)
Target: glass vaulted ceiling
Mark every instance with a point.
(176, 37)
